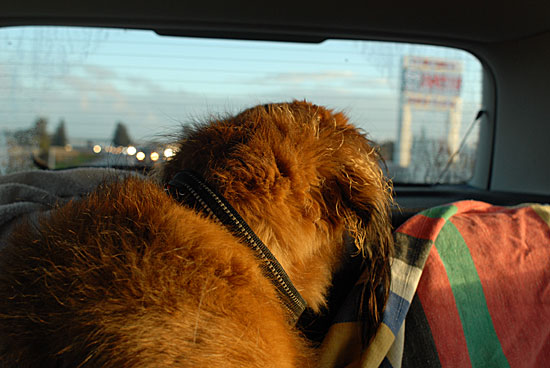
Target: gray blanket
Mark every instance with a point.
(26, 194)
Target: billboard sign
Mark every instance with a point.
(431, 83)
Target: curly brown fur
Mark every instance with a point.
(127, 277)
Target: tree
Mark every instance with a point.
(36, 136)
(59, 138)
(41, 137)
(121, 137)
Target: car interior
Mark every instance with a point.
(510, 40)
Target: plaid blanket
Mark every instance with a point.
(481, 274)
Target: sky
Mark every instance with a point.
(92, 78)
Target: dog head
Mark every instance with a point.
(302, 176)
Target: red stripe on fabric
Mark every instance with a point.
(440, 309)
(468, 206)
(422, 227)
(511, 251)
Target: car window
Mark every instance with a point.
(92, 96)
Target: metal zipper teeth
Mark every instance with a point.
(256, 247)
(200, 200)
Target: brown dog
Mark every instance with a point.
(129, 277)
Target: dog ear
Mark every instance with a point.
(366, 196)
(363, 201)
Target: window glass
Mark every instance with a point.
(92, 96)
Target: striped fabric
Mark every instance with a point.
(481, 274)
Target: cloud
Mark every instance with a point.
(100, 72)
(100, 90)
(338, 82)
(293, 77)
(376, 83)
(145, 84)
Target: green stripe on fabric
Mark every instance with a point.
(483, 344)
(445, 212)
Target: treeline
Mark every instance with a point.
(37, 135)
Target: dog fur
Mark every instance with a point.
(128, 277)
